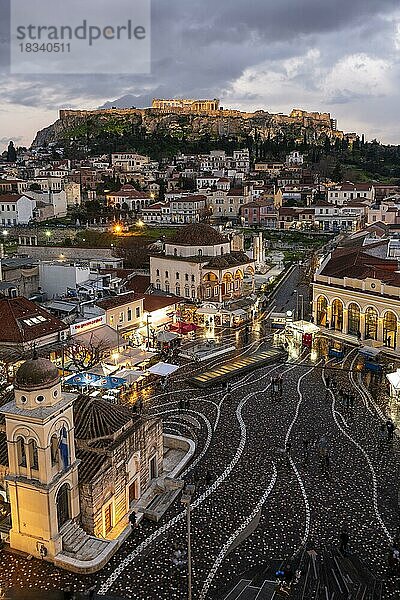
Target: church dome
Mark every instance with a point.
(35, 374)
(197, 234)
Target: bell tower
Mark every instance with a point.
(43, 471)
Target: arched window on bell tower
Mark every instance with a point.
(21, 454)
(33, 455)
(55, 454)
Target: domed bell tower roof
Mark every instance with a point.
(36, 374)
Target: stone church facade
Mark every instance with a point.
(72, 469)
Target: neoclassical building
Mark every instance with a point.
(72, 469)
(198, 263)
(356, 291)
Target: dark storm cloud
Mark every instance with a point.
(201, 49)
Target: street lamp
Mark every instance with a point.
(302, 306)
(297, 305)
(186, 499)
(148, 319)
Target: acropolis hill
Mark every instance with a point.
(190, 120)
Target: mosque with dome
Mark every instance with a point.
(200, 263)
(71, 469)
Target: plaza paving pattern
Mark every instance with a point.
(240, 442)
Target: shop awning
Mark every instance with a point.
(135, 356)
(207, 311)
(163, 369)
(166, 336)
(369, 351)
(109, 383)
(103, 369)
(130, 375)
(93, 380)
(239, 313)
(394, 379)
(104, 336)
(184, 327)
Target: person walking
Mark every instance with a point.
(390, 430)
(382, 436)
(344, 541)
(133, 520)
(323, 445)
(280, 386)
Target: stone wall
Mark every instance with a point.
(65, 253)
(112, 483)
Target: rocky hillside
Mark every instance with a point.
(100, 129)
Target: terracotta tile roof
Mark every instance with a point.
(357, 263)
(347, 186)
(191, 198)
(235, 192)
(197, 234)
(95, 418)
(10, 197)
(128, 191)
(156, 206)
(234, 259)
(258, 203)
(15, 312)
(92, 463)
(138, 284)
(120, 300)
(153, 302)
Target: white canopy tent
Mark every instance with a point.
(163, 369)
(394, 380)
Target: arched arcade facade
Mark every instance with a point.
(364, 319)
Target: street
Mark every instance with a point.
(241, 447)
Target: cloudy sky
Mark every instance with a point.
(341, 56)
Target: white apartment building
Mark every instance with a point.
(188, 210)
(241, 159)
(129, 161)
(226, 204)
(345, 192)
(205, 182)
(57, 200)
(333, 218)
(16, 209)
(48, 184)
(160, 212)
